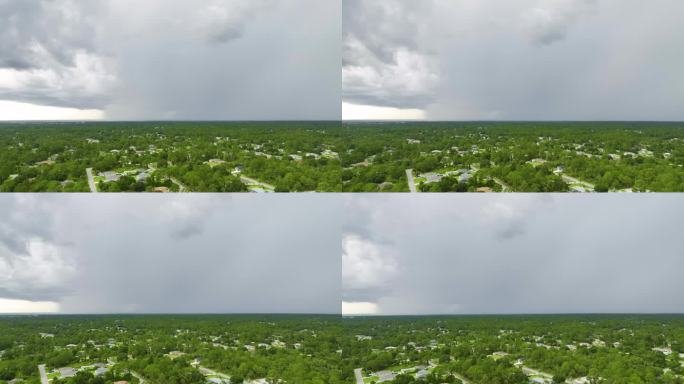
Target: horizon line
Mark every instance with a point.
(31, 314)
(521, 314)
(169, 314)
(507, 121)
(170, 121)
(344, 121)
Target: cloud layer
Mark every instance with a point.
(191, 253)
(528, 59)
(454, 254)
(208, 59)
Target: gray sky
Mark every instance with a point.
(536, 253)
(185, 253)
(165, 59)
(523, 59)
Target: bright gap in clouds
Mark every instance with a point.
(370, 112)
(359, 308)
(25, 306)
(13, 111)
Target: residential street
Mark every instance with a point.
(43, 375)
(358, 375)
(91, 180)
(411, 182)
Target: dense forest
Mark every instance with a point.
(169, 157)
(334, 157)
(173, 349)
(261, 349)
(518, 156)
(615, 349)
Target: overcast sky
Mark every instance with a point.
(523, 59)
(166, 59)
(536, 253)
(186, 253)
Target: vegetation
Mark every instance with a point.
(187, 349)
(173, 349)
(518, 349)
(334, 157)
(524, 157)
(201, 157)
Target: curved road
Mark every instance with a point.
(140, 378)
(251, 181)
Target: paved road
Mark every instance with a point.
(181, 186)
(463, 379)
(504, 186)
(250, 181)
(206, 371)
(358, 375)
(529, 371)
(574, 180)
(91, 180)
(140, 378)
(43, 375)
(411, 182)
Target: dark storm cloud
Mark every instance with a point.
(529, 59)
(463, 254)
(384, 55)
(35, 34)
(207, 59)
(49, 53)
(131, 253)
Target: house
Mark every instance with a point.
(431, 177)
(645, 153)
(664, 351)
(484, 190)
(67, 372)
(215, 162)
(162, 190)
(110, 176)
(175, 354)
(330, 154)
(385, 376)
